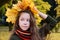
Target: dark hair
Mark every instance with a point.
(33, 28)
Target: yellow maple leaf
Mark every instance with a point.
(11, 15)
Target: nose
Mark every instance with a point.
(25, 22)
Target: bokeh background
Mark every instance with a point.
(50, 7)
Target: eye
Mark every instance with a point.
(28, 20)
(22, 19)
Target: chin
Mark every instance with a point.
(24, 29)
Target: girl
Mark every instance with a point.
(25, 27)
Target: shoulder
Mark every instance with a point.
(14, 37)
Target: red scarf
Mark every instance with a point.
(24, 35)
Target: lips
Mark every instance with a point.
(25, 26)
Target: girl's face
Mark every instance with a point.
(24, 21)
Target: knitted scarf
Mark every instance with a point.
(24, 35)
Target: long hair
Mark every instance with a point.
(33, 28)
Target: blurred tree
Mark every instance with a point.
(53, 11)
(57, 29)
(43, 7)
(2, 2)
(53, 4)
(3, 5)
(14, 1)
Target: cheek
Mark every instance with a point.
(20, 23)
(28, 23)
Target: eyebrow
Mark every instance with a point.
(24, 18)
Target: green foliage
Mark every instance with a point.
(57, 1)
(2, 10)
(45, 6)
(57, 28)
(42, 6)
(2, 2)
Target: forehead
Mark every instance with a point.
(25, 15)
